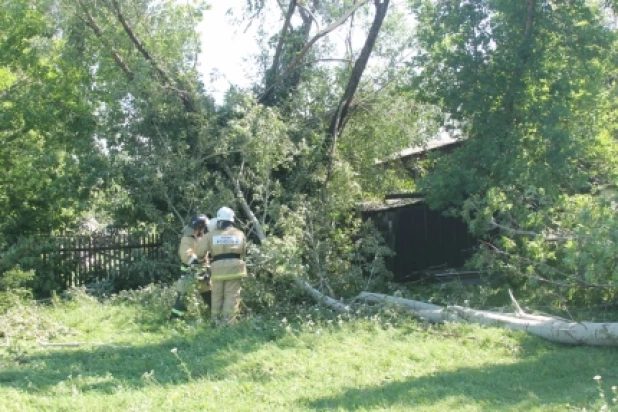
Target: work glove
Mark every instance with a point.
(193, 260)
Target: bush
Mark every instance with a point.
(12, 290)
(27, 254)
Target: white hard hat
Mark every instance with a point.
(225, 213)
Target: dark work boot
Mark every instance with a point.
(179, 309)
(207, 297)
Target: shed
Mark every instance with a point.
(424, 241)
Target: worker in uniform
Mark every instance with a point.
(194, 269)
(226, 247)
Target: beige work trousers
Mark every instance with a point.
(225, 299)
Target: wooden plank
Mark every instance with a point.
(78, 260)
(107, 264)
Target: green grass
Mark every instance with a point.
(312, 361)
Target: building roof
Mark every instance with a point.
(442, 140)
(388, 204)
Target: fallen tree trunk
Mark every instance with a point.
(546, 327)
(320, 297)
(427, 311)
(553, 329)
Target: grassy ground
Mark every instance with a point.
(379, 361)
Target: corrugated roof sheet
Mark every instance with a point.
(442, 140)
(377, 206)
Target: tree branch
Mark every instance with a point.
(577, 282)
(91, 22)
(550, 238)
(272, 73)
(257, 227)
(301, 54)
(284, 30)
(339, 119)
(184, 96)
(359, 67)
(331, 156)
(309, 14)
(138, 43)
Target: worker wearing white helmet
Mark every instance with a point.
(227, 247)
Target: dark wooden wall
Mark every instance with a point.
(423, 240)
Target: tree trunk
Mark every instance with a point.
(301, 54)
(546, 327)
(357, 72)
(271, 74)
(340, 116)
(322, 298)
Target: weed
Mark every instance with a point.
(183, 365)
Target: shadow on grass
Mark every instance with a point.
(537, 381)
(204, 353)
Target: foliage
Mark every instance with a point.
(53, 271)
(151, 133)
(338, 253)
(526, 84)
(139, 143)
(104, 114)
(386, 123)
(543, 114)
(573, 253)
(46, 125)
(27, 253)
(143, 271)
(13, 287)
(83, 136)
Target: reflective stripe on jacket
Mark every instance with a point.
(217, 242)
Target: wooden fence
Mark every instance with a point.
(77, 260)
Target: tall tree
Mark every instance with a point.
(46, 124)
(155, 120)
(524, 80)
(527, 82)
